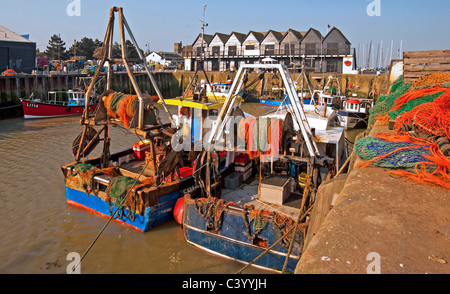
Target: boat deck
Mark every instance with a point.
(247, 195)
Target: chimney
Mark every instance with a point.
(178, 47)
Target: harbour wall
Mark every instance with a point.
(171, 85)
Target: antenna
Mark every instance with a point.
(203, 32)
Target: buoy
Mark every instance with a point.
(178, 210)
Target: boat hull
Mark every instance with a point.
(269, 102)
(154, 215)
(32, 109)
(232, 241)
(350, 120)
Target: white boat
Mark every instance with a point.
(354, 112)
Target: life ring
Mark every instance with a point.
(184, 112)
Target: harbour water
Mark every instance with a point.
(39, 229)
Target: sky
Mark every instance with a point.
(157, 25)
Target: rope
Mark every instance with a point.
(107, 223)
(274, 244)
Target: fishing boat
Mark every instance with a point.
(355, 112)
(275, 97)
(57, 104)
(258, 214)
(331, 96)
(139, 186)
(218, 89)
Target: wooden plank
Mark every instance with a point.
(427, 60)
(430, 67)
(425, 54)
(418, 74)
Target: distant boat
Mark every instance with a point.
(354, 112)
(72, 103)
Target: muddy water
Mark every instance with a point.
(39, 229)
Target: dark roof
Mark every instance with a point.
(207, 38)
(314, 31)
(277, 35)
(297, 34)
(258, 35)
(241, 37)
(223, 37)
(339, 31)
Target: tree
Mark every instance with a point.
(85, 47)
(56, 48)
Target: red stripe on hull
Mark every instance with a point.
(39, 109)
(76, 204)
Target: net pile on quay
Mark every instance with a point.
(419, 147)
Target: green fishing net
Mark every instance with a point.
(119, 186)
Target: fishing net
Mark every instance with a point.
(379, 110)
(382, 153)
(408, 106)
(432, 118)
(261, 136)
(437, 78)
(211, 209)
(86, 172)
(121, 106)
(413, 158)
(420, 109)
(118, 188)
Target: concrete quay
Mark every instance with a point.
(369, 221)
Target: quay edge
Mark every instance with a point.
(379, 217)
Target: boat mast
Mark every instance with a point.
(107, 56)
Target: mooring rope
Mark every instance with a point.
(278, 241)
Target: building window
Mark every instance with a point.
(310, 49)
(232, 50)
(309, 63)
(215, 51)
(289, 49)
(249, 47)
(332, 66)
(332, 49)
(270, 50)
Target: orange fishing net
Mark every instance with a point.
(414, 95)
(431, 118)
(439, 166)
(120, 106)
(261, 137)
(436, 78)
(428, 165)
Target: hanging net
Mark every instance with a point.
(120, 106)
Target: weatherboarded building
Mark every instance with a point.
(309, 49)
(16, 52)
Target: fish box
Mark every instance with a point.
(242, 168)
(233, 181)
(140, 148)
(242, 159)
(275, 189)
